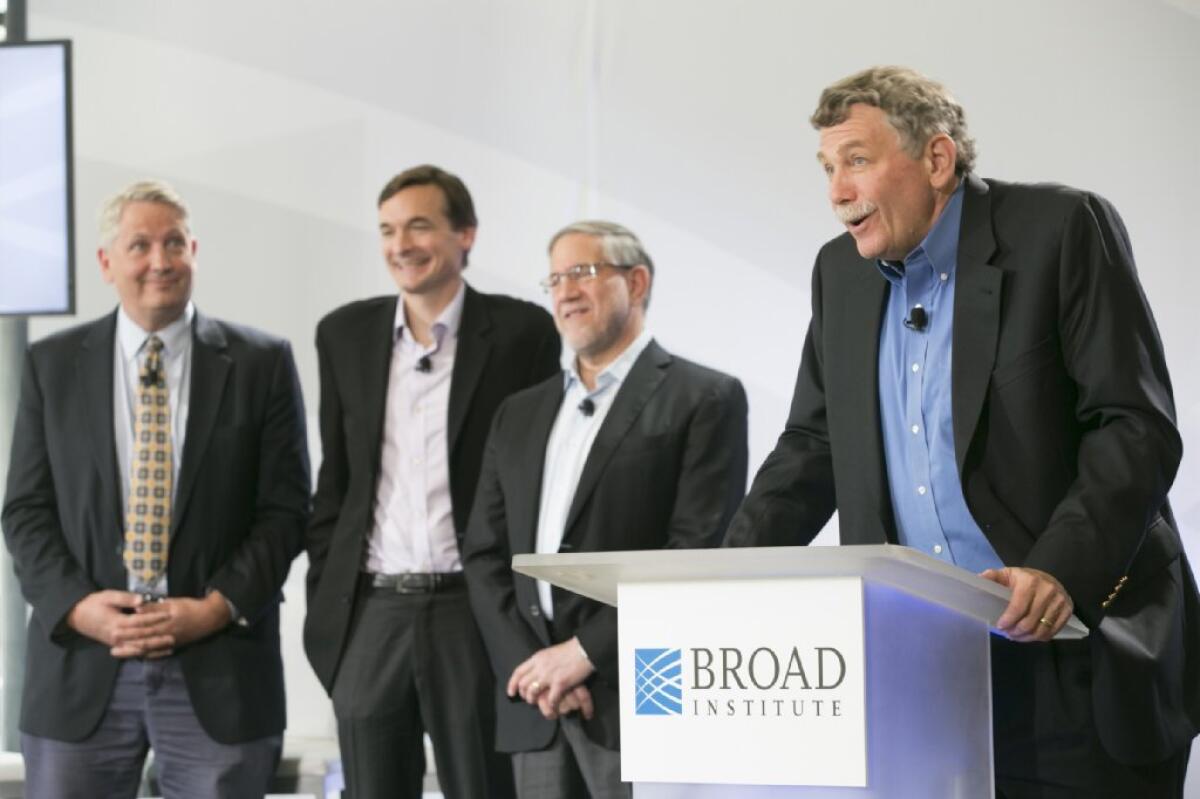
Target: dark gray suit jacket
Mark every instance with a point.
(1064, 435)
(237, 522)
(667, 470)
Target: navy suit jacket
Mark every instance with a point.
(241, 503)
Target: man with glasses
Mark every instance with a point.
(409, 384)
(629, 448)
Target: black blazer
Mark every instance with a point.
(238, 520)
(1064, 434)
(504, 345)
(667, 470)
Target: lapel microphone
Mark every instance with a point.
(424, 366)
(587, 407)
(917, 319)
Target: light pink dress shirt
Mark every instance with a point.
(413, 529)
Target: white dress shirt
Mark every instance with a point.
(128, 356)
(570, 442)
(413, 529)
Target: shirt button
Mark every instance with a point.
(916, 367)
(921, 490)
(944, 276)
(916, 428)
(937, 549)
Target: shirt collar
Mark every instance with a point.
(940, 244)
(447, 322)
(613, 374)
(174, 336)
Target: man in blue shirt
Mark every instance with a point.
(983, 380)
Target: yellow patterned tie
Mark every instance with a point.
(148, 514)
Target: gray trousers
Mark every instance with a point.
(149, 709)
(572, 767)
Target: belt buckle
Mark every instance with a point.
(413, 583)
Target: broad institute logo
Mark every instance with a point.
(658, 682)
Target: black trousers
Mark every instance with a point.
(1044, 735)
(415, 664)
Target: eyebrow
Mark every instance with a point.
(406, 222)
(843, 147)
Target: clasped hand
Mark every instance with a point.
(131, 626)
(552, 680)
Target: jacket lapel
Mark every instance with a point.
(865, 305)
(470, 357)
(643, 380)
(977, 298)
(210, 374)
(378, 336)
(95, 368)
(532, 465)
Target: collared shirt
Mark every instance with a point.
(129, 354)
(915, 402)
(414, 519)
(570, 442)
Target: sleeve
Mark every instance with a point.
(792, 496)
(334, 473)
(487, 562)
(546, 359)
(51, 579)
(1128, 448)
(252, 578)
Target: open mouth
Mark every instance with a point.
(854, 215)
(856, 222)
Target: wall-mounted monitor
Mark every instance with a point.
(37, 252)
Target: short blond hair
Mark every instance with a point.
(143, 191)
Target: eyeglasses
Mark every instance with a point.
(575, 274)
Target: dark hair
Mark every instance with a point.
(459, 208)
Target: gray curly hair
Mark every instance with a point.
(917, 107)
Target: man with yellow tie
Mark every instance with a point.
(157, 493)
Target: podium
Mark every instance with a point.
(838, 672)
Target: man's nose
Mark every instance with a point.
(841, 188)
(160, 259)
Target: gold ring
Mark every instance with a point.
(535, 686)
(1045, 621)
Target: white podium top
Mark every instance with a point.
(597, 574)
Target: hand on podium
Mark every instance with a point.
(549, 677)
(1039, 606)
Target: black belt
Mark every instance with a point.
(412, 582)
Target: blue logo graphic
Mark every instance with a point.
(658, 682)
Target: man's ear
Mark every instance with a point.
(639, 284)
(105, 265)
(941, 154)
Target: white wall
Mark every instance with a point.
(684, 120)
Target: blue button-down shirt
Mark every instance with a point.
(915, 402)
